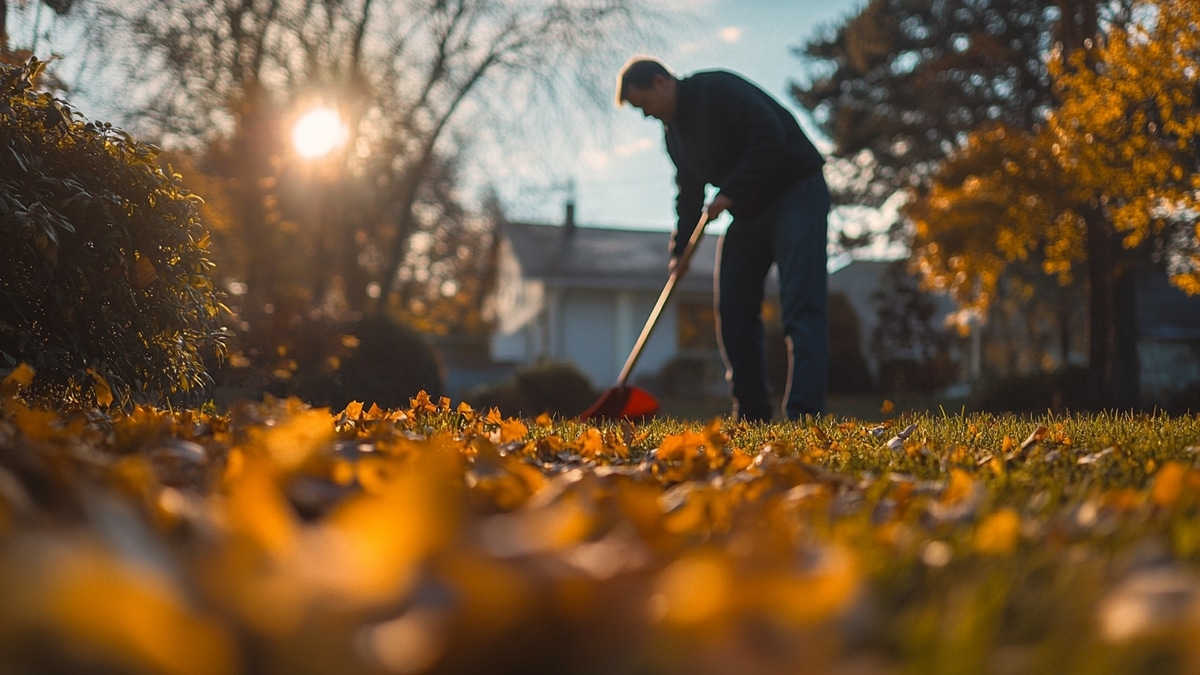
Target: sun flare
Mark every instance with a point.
(318, 132)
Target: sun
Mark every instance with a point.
(318, 132)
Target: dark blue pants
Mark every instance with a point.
(792, 234)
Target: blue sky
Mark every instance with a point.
(621, 173)
(614, 157)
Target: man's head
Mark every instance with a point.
(647, 85)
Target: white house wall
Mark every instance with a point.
(587, 339)
(594, 330)
(519, 300)
(664, 341)
(520, 334)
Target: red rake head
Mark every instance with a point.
(622, 402)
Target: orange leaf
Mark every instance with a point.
(100, 388)
(1168, 485)
(18, 379)
(999, 533)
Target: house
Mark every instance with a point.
(582, 295)
(1168, 347)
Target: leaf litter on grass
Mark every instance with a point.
(279, 538)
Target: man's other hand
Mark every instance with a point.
(719, 205)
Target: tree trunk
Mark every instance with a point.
(3, 26)
(1112, 317)
(248, 158)
(1100, 307)
(1078, 23)
(1126, 389)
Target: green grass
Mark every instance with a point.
(437, 539)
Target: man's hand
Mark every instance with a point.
(677, 265)
(719, 205)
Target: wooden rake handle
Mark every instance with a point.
(681, 267)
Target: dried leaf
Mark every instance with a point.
(897, 441)
(999, 533)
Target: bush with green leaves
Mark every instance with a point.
(105, 280)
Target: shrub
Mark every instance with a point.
(551, 387)
(910, 376)
(848, 369)
(104, 275)
(1064, 389)
(375, 360)
(692, 376)
(329, 363)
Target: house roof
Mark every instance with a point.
(602, 257)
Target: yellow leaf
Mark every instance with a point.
(18, 379)
(680, 447)
(591, 444)
(293, 442)
(369, 547)
(694, 589)
(111, 613)
(354, 410)
(999, 533)
(811, 594)
(1006, 446)
(512, 430)
(100, 389)
(960, 487)
(256, 511)
(1168, 485)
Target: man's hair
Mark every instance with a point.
(638, 72)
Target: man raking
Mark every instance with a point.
(724, 131)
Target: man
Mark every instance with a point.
(724, 131)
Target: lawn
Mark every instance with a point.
(278, 538)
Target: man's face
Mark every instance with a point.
(658, 101)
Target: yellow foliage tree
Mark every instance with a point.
(1000, 200)
(1113, 170)
(1128, 130)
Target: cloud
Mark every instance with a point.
(638, 146)
(595, 159)
(728, 35)
(602, 159)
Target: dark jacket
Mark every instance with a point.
(729, 133)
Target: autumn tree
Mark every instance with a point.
(1128, 130)
(977, 232)
(898, 86)
(974, 75)
(1106, 185)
